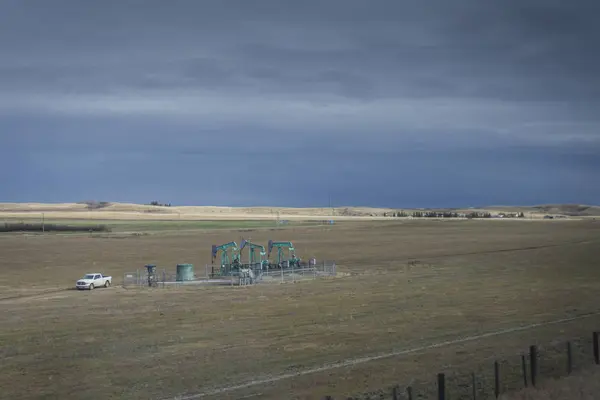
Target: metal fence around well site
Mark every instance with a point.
(294, 274)
(218, 275)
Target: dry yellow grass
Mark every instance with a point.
(125, 211)
(473, 277)
(133, 211)
(582, 386)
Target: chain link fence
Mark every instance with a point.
(134, 279)
(295, 273)
(226, 275)
(164, 278)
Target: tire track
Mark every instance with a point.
(34, 295)
(362, 360)
(471, 253)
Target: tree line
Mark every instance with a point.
(156, 203)
(449, 214)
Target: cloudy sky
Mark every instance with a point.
(275, 102)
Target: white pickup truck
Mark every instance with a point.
(91, 281)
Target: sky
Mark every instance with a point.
(299, 103)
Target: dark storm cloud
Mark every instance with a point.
(515, 50)
(350, 87)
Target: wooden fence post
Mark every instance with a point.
(524, 365)
(596, 351)
(441, 386)
(328, 398)
(569, 358)
(474, 382)
(533, 363)
(409, 391)
(395, 393)
(496, 379)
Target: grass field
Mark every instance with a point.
(585, 385)
(405, 284)
(149, 226)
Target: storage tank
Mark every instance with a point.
(185, 272)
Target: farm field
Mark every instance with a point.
(402, 284)
(151, 226)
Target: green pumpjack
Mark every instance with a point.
(255, 261)
(230, 259)
(291, 261)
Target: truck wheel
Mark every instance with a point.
(106, 284)
(91, 286)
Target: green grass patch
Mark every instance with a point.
(161, 225)
(124, 226)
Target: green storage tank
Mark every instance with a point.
(185, 272)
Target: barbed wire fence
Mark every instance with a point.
(503, 376)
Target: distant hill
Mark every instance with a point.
(577, 210)
(109, 210)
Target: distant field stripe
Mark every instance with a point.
(361, 360)
(473, 253)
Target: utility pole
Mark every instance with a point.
(43, 223)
